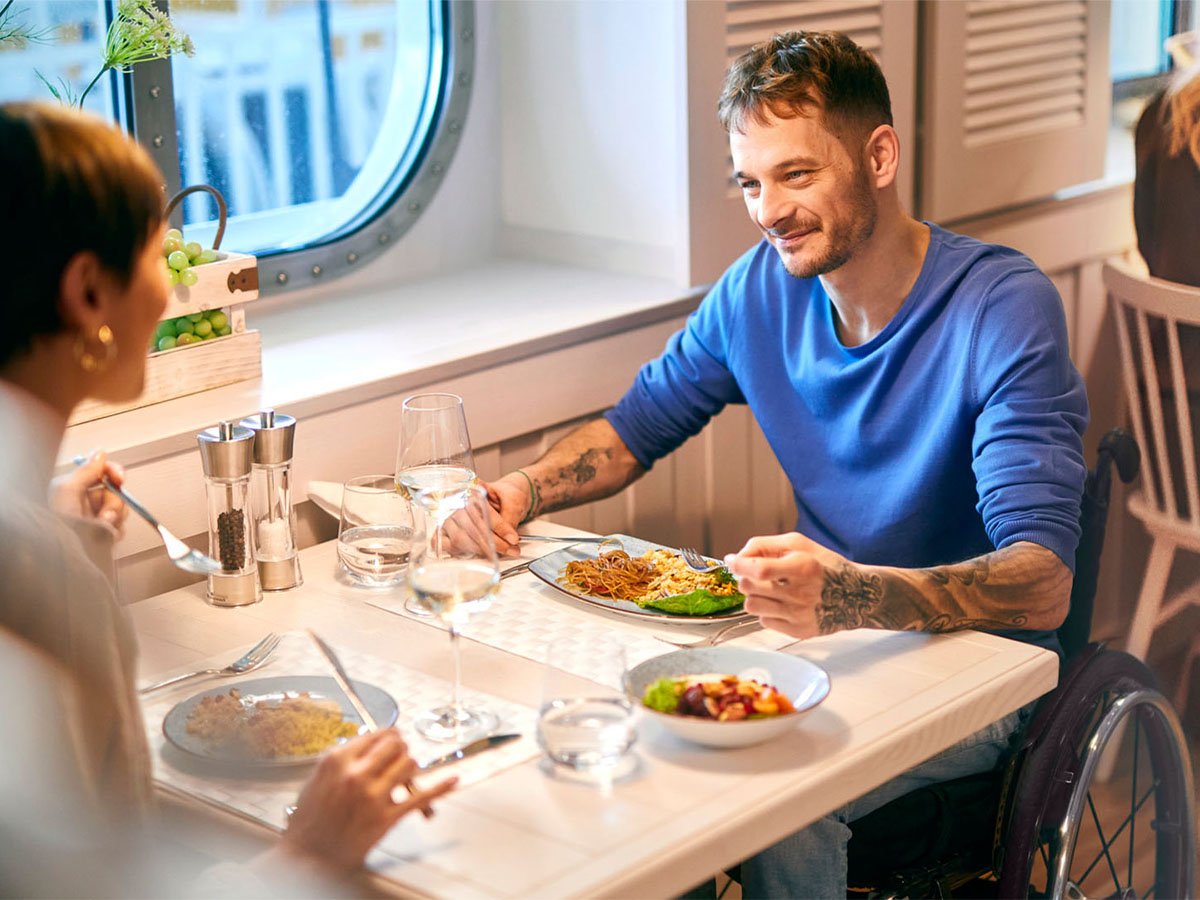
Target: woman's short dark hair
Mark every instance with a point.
(69, 183)
(797, 71)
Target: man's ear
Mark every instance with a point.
(882, 156)
(81, 293)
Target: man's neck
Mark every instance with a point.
(870, 289)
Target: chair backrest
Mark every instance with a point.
(1116, 448)
(1158, 334)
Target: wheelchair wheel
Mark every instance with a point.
(1070, 836)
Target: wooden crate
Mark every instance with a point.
(229, 283)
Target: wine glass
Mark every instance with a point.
(434, 462)
(453, 573)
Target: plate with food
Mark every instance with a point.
(639, 578)
(283, 721)
(727, 696)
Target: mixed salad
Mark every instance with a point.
(725, 698)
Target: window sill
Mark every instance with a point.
(321, 355)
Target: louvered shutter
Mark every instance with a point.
(717, 34)
(1016, 100)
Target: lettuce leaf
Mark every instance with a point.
(697, 603)
(663, 695)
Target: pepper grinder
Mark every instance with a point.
(271, 495)
(226, 452)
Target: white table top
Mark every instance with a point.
(687, 811)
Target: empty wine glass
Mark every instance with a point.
(454, 575)
(434, 462)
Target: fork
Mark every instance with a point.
(254, 657)
(713, 639)
(180, 553)
(696, 561)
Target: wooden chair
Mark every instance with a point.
(1158, 332)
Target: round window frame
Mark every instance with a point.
(291, 270)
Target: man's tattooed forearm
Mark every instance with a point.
(573, 480)
(993, 591)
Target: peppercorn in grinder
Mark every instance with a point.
(227, 454)
(271, 498)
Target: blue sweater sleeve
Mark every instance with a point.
(675, 395)
(1028, 442)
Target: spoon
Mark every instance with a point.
(180, 553)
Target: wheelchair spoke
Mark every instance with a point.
(1104, 845)
(1137, 731)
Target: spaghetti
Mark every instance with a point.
(642, 579)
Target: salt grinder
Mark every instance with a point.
(227, 452)
(271, 496)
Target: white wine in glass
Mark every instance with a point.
(453, 574)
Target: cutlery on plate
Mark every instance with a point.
(484, 743)
(564, 540)
(180, 553)
(697, 561)
(712, 640)
(253, 658)
(516, 570)
(343, 681)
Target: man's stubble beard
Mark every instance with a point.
(845, 238)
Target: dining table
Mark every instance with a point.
(671, 816)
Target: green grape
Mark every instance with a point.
(210, 336)
(173, 277)
(165, 329)
(218, 319)
(184, 339)
(224, 331)
(192, 249)
(178, 260)
(170, 245)
(184, 326)
(195, 317)
(205, 257)
(188, 278)
(204, 328)
(166, 342)
(174, 234)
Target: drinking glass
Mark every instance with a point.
(434, 462)
(375, 531)
(586, 724)
(454, 575)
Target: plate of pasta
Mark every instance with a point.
(639, 578)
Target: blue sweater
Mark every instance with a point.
(954, 431)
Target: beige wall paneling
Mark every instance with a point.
(1016, 100)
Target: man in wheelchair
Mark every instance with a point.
(914, 384)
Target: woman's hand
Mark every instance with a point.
(347, 805)
(783, 577)
(510, 500)
(81, 493)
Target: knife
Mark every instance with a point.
(486, 743)
(343, 681)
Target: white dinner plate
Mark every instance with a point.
(551, 566)
(271, 690)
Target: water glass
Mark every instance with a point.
(375, 532)
(586, 724)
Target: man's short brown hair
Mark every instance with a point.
(798, 71)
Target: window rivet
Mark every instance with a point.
(414, 207)
(352, 257)
(453, 126)
(467, 34)
(158, 140)
(437, 169)
(316, 270)
(464, 79)
(155, 91)
(384, 237)
(281, 277)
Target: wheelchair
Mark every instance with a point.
(1014, 831)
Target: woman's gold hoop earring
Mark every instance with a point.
(90, 362)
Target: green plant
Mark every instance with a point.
(139, 32)
(14, 31)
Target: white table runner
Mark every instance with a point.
(262, 794)
(528, 615)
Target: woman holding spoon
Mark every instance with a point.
(83, 228)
